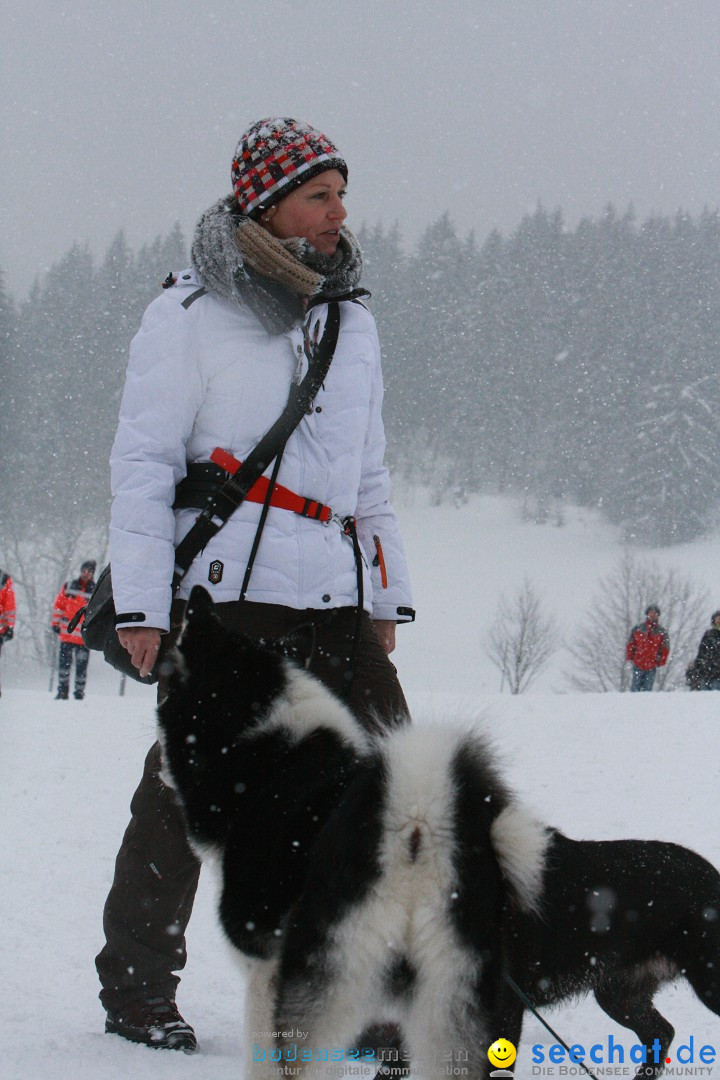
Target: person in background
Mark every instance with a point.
(7, 609)
(706, 668)
(647, 649)
(72, 596)
(212, 367)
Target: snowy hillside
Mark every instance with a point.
(598, 766)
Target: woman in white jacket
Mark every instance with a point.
(211, 368)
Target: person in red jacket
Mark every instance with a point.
(647, 649)
(7, 608)
(72, 596)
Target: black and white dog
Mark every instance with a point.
(397, 879)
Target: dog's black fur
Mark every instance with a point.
(618, 918)
(302, 807)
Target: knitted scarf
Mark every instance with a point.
(244, 263)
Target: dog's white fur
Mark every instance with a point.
(520, 842)
(301, 709)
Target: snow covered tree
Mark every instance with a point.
(12, 396)
(669, 485)
(522, 638)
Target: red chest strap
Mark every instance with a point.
(282, 498)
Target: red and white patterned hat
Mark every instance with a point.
(276, 155)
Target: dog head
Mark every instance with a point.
(228, 674)
(242, 687)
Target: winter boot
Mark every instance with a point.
(153, 1021)
(79, 695)
(62, 694)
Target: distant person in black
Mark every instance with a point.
(706, 669)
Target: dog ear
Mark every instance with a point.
(201, 622)
(200, 604)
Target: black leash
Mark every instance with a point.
(261, 525)
(351, 530)
(529, 1005)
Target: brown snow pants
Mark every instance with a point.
(156, 872)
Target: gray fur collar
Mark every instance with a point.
(219, 261)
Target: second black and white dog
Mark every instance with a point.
(397, 879)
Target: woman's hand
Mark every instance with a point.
(143, 644)
(385, 630)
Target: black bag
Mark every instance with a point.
(98, 629)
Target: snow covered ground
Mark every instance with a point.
(598, 766)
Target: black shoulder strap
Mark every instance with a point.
(234, 490)
(189, 300)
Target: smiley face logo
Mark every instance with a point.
(502, 1053)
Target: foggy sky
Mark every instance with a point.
(126, 115)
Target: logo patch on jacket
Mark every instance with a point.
(216, 572)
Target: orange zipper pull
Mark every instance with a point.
(379, 560)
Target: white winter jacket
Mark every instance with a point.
(208, 375)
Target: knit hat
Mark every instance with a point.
(90, 565)
(276, 155)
